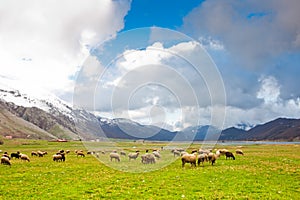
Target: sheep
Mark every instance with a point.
(115, 156)
(68, 151)
(15, 155)
(156, 154)
(122, 153)
(133, 155)
(97, 155)
(5, 161)
(202, 158)
(176, 153)
(183, 152)
(80, 153)
(41, 153)
(5, 154)
(212, 158)
(189, 158)
(59, 157)
(223, 151)
(148, 158)
(33, 153)
(239, 151)
(229, 155)
(194, 151)
(24, 157)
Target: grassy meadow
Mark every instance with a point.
(264, 172)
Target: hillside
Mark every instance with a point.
(275, 130)
(24, 116)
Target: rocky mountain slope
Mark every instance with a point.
(25, 116)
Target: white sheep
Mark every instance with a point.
(156, 154)
(5, 161)
(24, 157)
(133, 155)
(115, 156)
(239, 151)
(148, 158)
(176, 153)
(122, 153)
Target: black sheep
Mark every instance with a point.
(15, 155)
(229, 155)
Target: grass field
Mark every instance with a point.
(265, 172)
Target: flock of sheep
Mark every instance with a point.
(196, 157)
(201, 156)
(147, 158)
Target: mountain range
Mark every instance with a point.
(24, 116)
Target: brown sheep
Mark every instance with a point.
(33, 153)
(212, 158)
(5, 161)
(41, 153)
(59, 157)
(189, 158)
(202, 158)
(24, 157)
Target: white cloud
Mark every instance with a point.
(269, 91)
(159, 86)
(43, 43)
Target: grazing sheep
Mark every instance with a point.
(80, 153)
(122, 153)
(202, 158)
(5, 154)
(5, 161)
(33, 153)
(176, 153)
(24, 157)
(41, 153)
(189, 158)
(15, 155)
(194, 151)
(148, 158)
(212, 158)
(59, 157)
(133, 155)
(97, 155)
(68, 151)
(156, 154)
(223, 151)
(229, 155)
(115, 156)
(239, 151)
(183, 152)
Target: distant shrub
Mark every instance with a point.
(1, 142)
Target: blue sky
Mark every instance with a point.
(166, 13)
(255, 46)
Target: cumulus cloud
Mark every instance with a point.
(43, 43)
(172, 85)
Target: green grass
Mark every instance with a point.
(265, 172)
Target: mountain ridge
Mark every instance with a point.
(53, 118)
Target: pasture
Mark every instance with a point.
(264, 172)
